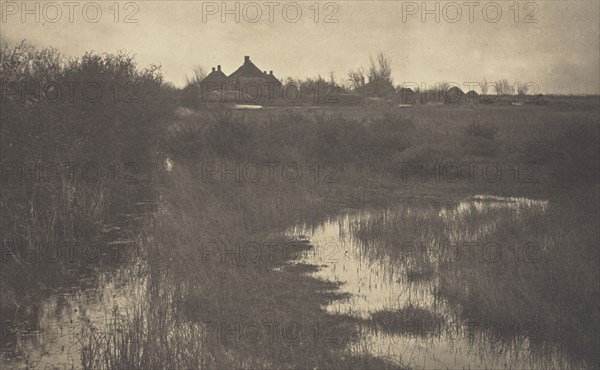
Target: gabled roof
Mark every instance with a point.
(269, 78)
(405, 90)
(248, 70)
(215, 77)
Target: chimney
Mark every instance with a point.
(246, 59)
(271, 73)
(213, 69)
(219, 67)
(265, 72)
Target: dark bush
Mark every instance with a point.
(42, 122)
(231, 135)
(480, 140)
(475, 129)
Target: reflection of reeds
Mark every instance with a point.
(420, 272)
(187, 296)
(541, 268)
(409, 320)
(149, 336)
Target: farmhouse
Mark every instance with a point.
(248, 79)
(215, 80)
(248, 74)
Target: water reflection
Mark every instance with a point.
(49, 335)
(392, 282)
(376, 253)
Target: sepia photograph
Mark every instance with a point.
(309, 184)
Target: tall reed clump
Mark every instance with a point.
(78, 146)
(530, 266)
(547, 276)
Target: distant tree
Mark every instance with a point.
(332, 78)
(380, 68)
(191, 94)
(484, 86)
(443, 88)
(522, 89)
(198, 74)
(357, 78)
(503, 87)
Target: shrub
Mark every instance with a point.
(480, 140)
(119, 126)
(230, 135)
(475, 129)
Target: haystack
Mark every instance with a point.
(454, 95)
(378, 88)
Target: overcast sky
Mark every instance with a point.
(560, 52)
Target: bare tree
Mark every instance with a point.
(522, 89)
(503, 87)
(198, 75)
(381, 68)
(443, 87)
(357, 78)
(484, 86)
(332, 78)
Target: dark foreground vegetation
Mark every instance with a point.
(349, 158)
(71, 163)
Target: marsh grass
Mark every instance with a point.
(46, 208)
(231, 213)
(408, 320)
(546, 272)
(420, 272)
(189, 300)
